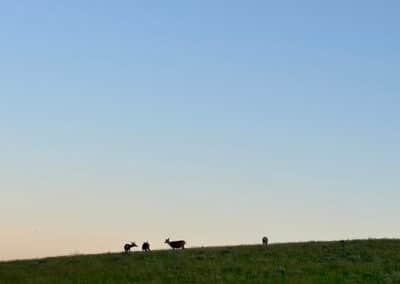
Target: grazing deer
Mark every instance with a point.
(127, 247)
(265, 241)
(146, 246)
(176, 244)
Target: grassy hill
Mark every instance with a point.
(359, 261)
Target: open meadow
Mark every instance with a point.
(358, 261)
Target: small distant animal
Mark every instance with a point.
(127, 247)
(265, 241)
(146, 246)
(176, 244)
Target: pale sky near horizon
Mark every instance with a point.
(216, 122)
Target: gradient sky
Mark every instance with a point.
(213, 121)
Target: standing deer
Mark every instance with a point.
(146, 246)
(265, 241)
(127, 247)
(176, 244)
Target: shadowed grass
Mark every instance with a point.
(359, 261)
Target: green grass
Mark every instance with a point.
(359, 261)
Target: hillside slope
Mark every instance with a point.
(359, 261)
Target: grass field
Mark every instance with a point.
(359, 261)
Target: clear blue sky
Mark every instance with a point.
(213, 121)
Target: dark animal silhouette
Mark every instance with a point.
(176, 244)
(265, 241)
(146, 246)
(127, 247)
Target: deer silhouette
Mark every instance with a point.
(127, 247)
(146, 246)
(176, 244)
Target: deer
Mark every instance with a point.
(127, 247)
(176, 244)
(146, 246)
(265, 241)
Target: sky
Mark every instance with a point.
(217, 122)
